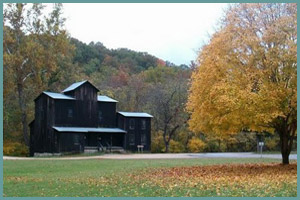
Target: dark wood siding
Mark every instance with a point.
(108, 114)
(85, 92)
(122, 125)
(137, 133)
(85, 107)
(70, 142)
(61, 113)
(44, 138)
(31, 149)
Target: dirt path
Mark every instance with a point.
(158, 156)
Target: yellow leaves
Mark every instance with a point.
(219, 178)
(15, 148)
(247, 73)
(196, 145)
(175, 147)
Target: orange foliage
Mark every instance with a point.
(220, 178)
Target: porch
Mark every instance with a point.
(90, 140)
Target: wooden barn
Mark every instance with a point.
(80, 120)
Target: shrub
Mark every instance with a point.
(196, 145)
(15, 149)
(175, 147)
(213, 145)
(271, 144)
(157, 144)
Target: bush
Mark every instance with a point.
(157, 144)
(175, 147)
(271, 144)
(231, 144)
(196, 145)
(15, 149)
(213, 145)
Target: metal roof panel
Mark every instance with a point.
(58, 95)
(74, 86)
(106, 99)
(88, 129)
(135, 114)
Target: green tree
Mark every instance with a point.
(34, 46)
(247, 78)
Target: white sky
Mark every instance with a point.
(172, 32)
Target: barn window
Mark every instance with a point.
(100, 115)
(76, 138)
(131, 124)
(143, 125)
(143, 139)
(131, 139)
(70, 112)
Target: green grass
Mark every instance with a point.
(275, 152)
(102, 177)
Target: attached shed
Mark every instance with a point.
(138, 127)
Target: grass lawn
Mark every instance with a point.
(177, 177)
(275, 152)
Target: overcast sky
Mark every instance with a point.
(172, 32)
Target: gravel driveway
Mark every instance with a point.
(159, 156)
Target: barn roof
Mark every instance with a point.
(58, 95)
(106, 99)
(88, 129)
(135, 114)
(76, 85)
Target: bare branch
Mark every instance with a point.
(28, 75)
(23, 63)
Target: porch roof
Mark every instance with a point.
(88, 130)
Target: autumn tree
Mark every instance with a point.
(247, 75)
(34, 46)
(137, 93)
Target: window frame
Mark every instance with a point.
(143, 124)
(131, 139)
(70, 113)
(131, 124)
(143, 135)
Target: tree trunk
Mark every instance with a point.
(287, 133)
(167, 147)
(167, 142)
(165, 139)
(23, 113)
(284, 148)
(285, 159)
(286, 128)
